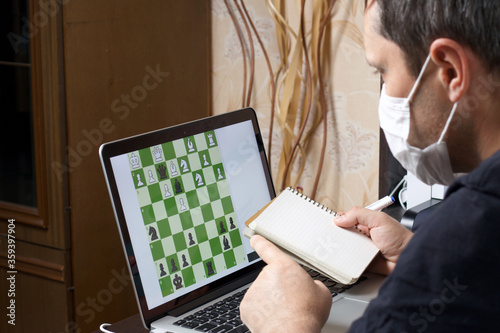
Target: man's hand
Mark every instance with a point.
(283, 298)
(388, 235)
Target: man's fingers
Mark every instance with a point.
(357, 215)
(266, 250)
(321, 286)
(343, 222)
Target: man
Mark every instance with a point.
(440, 110)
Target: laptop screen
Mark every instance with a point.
(184, 200)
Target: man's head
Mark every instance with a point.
(415, 24)
(462, 38)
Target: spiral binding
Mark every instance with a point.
(317, 204)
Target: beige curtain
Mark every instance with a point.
(350, 170)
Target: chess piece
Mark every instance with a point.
(139, 180)
(205, 163)
(231, 226)
(178, 188)
(151, 178)
(199, 179)
(134, 160)
(220, 174)
(173, 169)
(225, 242)
(153, 234)
(162, 171)
(177, 282)
(167, 191)
(210, 270)
(162, 270)
(222, 229)
(172, 263)
(181, 202)
(184, 166)
(157, 154)
(191, 240)
(184, 261)
(211, 142)
(190, 146)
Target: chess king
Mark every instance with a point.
(177, 282)
(134, 160)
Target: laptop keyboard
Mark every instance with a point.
(224, 316)
(334, 287)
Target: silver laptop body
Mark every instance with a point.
(181, 196)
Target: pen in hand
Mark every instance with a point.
(376, 206)
(381, 204)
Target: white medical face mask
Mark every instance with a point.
(432, 164)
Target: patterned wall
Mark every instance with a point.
(350, 169)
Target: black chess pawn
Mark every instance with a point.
(178, 188)
(231, 226)
(162, 270)
(177, 281)
(191, 240)
(222, 229)
(210, 270)
(172, 263)
(184, 261)
(226, 243)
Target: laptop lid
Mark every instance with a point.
(181, 196)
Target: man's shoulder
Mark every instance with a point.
(464, 226)
(485, 178)
(470, 208)
(468, 214)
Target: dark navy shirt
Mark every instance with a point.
(448, 278)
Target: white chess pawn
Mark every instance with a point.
(134, 160)
(167, 191)
(151, 178)
(220, 174)
(205, 159)
(173, 169)
(181, 202)
(190, 146)
(139, 181)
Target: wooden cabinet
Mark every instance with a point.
(102, 70)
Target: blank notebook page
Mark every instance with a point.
(311, 233)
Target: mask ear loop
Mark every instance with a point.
(417, 82)
(448, 122)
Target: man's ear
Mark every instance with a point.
(454, 67)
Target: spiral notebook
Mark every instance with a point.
(306, 231)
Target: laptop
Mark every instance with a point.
(181, 196)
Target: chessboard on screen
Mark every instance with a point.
(187, 210)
